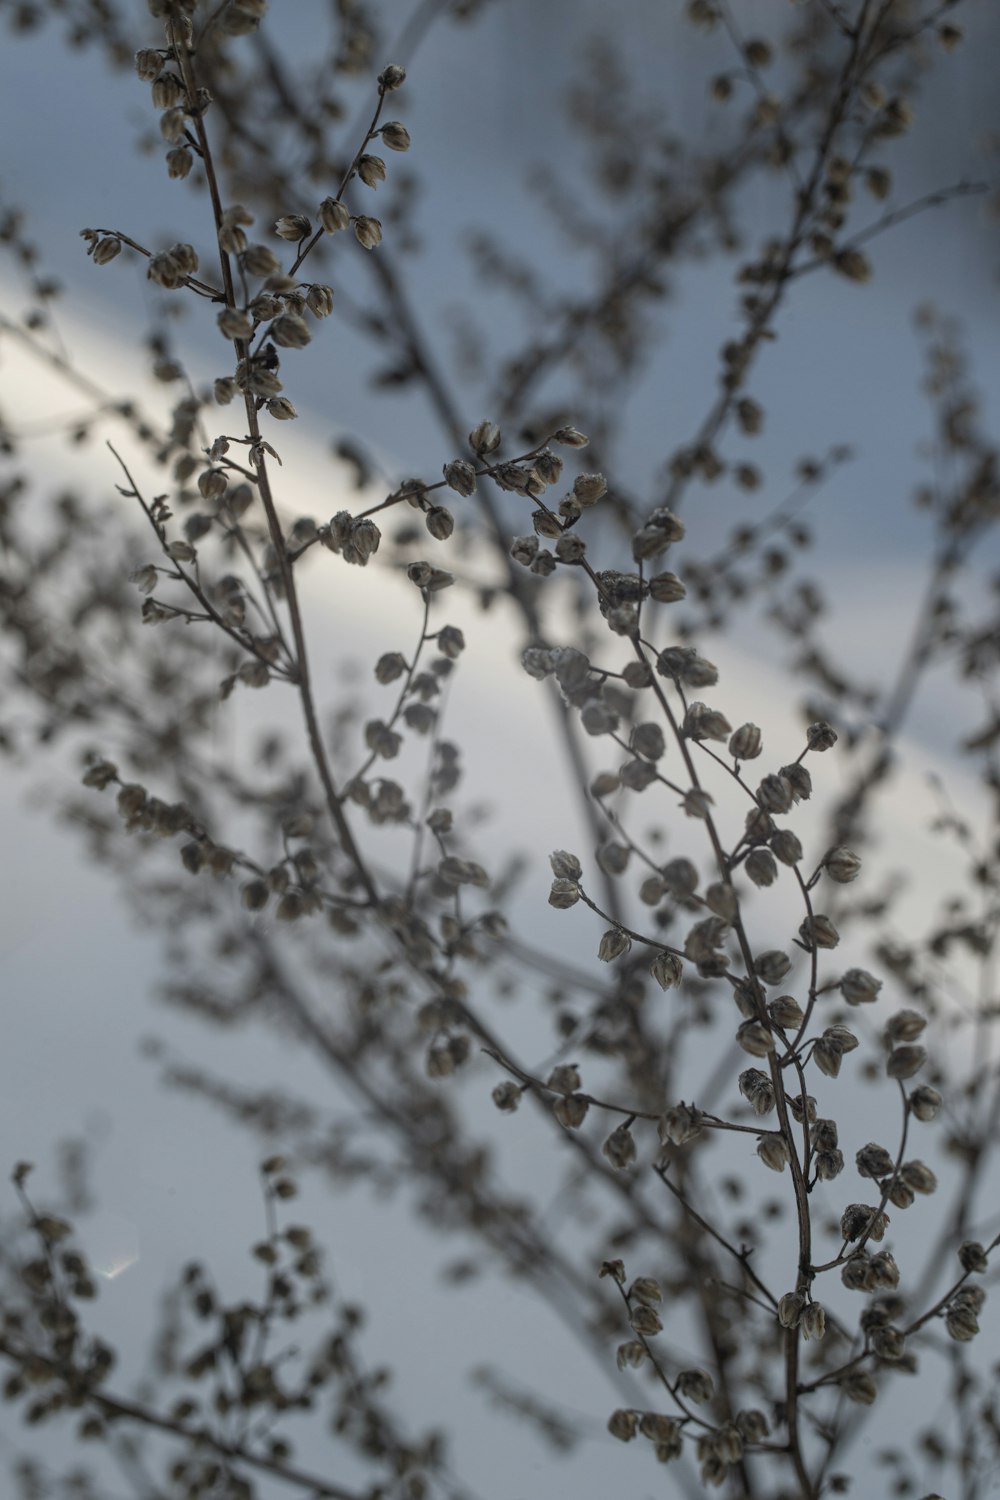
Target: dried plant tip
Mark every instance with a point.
(367, 232)
(821, 736)
(570, 437)
(392, 76)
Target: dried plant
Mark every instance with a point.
(711, 1035)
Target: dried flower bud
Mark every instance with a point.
(704, 723)
(799, 780)
(613, 944)
(565, 1079)
(571, 1110)
(461, 476)
(961, 1323)
(507, 1096)
(842, 865)
(106, 250)
(168, 91)
(290, 331)
(761, 867)
(148, 64)
(746, 742)
(563, 894)
(392, 76)
(973, 1257)
(821, 736)
(179, 163)
(858, 987)
(786, 846)
(292, 227)
(818, 931)
(790, 1308)
(758, 1090)
(371, 170)
(619, 1148)
(774, 795)
(756, 1038)
(647, 1291)
(904, 1026)
(319, 300)
(863, 1218)
(695, 1385)
(390, 666)
(334, 215)
(589, 488)
(395, 136)
(255, 895)
(485, 438)
(367, 231)
(773, 1152)
(874, 1161)
(281, 409)
(925, 1102)
(623, 1425)
(772, 966)
(667, 969)
(918, 1176)
(666, 588)
(786, 1012)
(904, 1062)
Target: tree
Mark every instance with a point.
(668, 1022)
